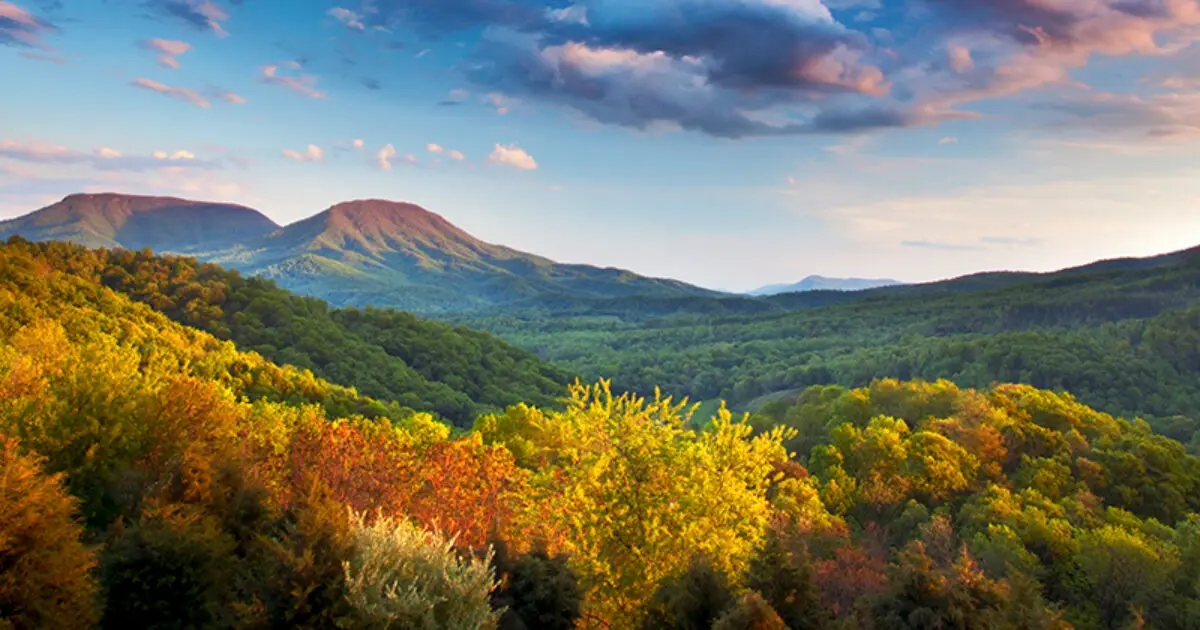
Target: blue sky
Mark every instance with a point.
(730, 143)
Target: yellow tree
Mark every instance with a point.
(631, 494)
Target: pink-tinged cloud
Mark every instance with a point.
(300, 83)
(456, 155)
(168, 50)
(312, 153)
(204, 15)
(512, 156)
(41, 56)
(39, 152)
(435, 148)
(347, 17)
(384, 157)
(357, 143)
(102, 158)
(177, 93)
(227, 96)
(19, 27)
(960, 58)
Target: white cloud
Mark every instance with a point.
(435, 148)
(456, 155)
(351, 19)
(357, 143)
(384, 157)
(175, 156)
(513, 156)
(108, 153)
(313, 153)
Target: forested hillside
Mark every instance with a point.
(157, 477)
(1123, 336)
(452, 371)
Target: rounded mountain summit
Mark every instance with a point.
(357, 253)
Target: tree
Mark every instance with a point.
(751, 612)
(403, 577)
(692, 601)
(782, 575)
(536, 592)
(45, 571)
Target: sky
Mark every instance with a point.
(727, 143)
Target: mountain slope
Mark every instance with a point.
(388, 355)
(359, 253)
(131, 222)
(1121, 334)
(821, 283)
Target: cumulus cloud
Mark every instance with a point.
(178, 93)
(357, 143)
(19, 27)
(384, 157)
(347, 17)
(300, 83)
(168, 50)
(313, 153)
(438, 149)
(513, 156)
(202, 15)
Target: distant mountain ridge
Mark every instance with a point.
(822, 283)
(133, 222)
(368, 252)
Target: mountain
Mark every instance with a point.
(359, 253)
(821, 283)
(162, 223)
(1123, 335)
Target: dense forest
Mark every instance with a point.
(454, 372)
(1124, 338)
(153, 475)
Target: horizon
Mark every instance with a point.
(902, 140)
(735, 292)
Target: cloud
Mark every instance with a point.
(176, 156)
(357, 143)
(948, 140)
(384, 157)
(438, 149)
(227, 96)
(300, 83)
(167, 50)
(313, 153)
(102, 158)
(202, 15)
(40, 56)
(347, 17)
(773, 67)
(19, 27)
(946, 247)
(178, 93)
(1057, 222)
(513, 156)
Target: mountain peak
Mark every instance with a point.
(167, 224)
